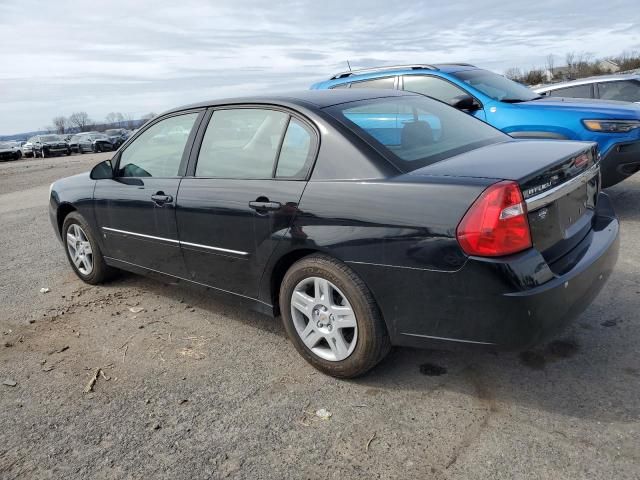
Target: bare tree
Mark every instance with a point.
(513, 73)
(128, 121)
(148, 116)
(551, 64)
(61, 124)
(111, 118)
(570, 59)
(80, 120)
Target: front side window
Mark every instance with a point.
(433, 87)
(415, 131)
(496, 86)
(625, 91)
(241, 143)
(577, 91)
(157, 152)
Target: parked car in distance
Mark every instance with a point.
(620, 87)
(10, 151)
(49, 145)
(27, 148)
(366, 218)
(94, 142)
(515, 109)
(117, 136)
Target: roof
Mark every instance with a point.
(442, 67)
(616, 77)
(304, 98)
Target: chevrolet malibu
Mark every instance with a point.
(365, 218)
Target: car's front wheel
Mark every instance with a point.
(331, 317)
(83, 252)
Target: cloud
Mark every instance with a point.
(140, 56)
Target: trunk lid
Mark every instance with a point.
(559, 181)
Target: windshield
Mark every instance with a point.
(496, 86)
(99, 136)
(112, 132)
(415, 131)
(49, 138)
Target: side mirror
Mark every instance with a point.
(466, 102)
(102, 171)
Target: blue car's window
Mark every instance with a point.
(496, 86)
(415, 131)
(433, 87)
(296, 154)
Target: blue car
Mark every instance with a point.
(514, 109)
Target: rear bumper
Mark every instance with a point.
(621, 161)
(508, 303)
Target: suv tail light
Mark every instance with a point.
(496, 224)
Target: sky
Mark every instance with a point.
(139, 56)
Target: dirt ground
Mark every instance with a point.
(190, 387)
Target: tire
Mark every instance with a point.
(366, 344)
(80, 151)
(18, 155)
(100, 271)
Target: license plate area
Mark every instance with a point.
(558, 227)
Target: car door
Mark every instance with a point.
(136, 209)
(241, 194)
(438, 88)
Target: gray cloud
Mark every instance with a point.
(140, 56)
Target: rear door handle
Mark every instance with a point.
(265, 206)
(160, 198)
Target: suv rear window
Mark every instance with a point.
(415, 131)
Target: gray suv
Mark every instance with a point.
(623, 87)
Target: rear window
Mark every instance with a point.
(415, 131)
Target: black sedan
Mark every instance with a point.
(365, 218)
(49, 146)
(93, 142)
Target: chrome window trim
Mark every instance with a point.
(545, 198)
(178, 242)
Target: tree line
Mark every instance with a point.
(81, 122)
(576, 65)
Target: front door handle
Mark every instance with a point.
(265, 206)
(160, 198)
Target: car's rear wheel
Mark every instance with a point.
(18, 155)
(83, 252)
(331, 317)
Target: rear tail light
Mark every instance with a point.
(496, 224)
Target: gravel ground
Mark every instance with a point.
(191, 387)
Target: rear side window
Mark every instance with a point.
(415, 131)
(157, 152)
(578, 91)
(625, 91)
(296, 153)
(241, 143)
(433, 87)
(387, 82)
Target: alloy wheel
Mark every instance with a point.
(324, 319)
(79, 249)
